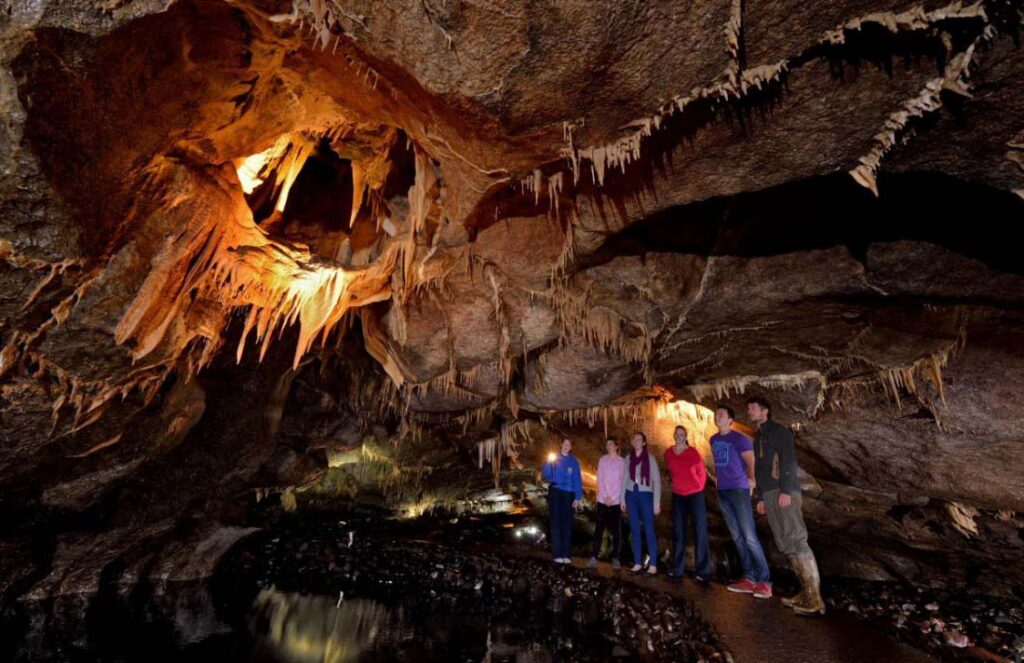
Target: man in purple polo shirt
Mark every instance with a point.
(734, 467)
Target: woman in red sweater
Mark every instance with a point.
(686, 467)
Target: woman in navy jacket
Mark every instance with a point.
(565, 491)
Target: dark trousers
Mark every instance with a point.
(690, 508)
(609, 517)
(560, 506)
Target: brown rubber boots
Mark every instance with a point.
(808, 601)
(788, 602)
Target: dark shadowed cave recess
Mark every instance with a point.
(266, 266)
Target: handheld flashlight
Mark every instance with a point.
(552, 457)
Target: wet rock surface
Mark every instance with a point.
(951, 625)
(362, 561)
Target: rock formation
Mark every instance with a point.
(235, 236)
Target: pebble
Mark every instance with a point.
(938, 621)
(383, 565)
(957, 639)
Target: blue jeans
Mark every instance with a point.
(690, 507)
(560, 506)
(640, 507)
(739, 518)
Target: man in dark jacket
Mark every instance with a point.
(778, 493)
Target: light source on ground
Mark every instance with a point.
(528, 530)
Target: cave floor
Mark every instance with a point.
(767, 631)
(753, 630)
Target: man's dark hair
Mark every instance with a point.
(728, 410)
(763, 402)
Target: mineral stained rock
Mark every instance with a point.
(240, 239)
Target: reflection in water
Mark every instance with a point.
(294, 628)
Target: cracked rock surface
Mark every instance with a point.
(246, 247)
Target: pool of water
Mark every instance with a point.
(335, 590)
(287, 627)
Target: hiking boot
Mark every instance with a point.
(808, 602)
(742, 586)
(762, 590)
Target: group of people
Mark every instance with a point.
(761, 470)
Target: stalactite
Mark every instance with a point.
(233, 261)
(737, 83)
(539, 382)
(502, 320)
(898, 127)
(597, 326)
(734, 39)
(708, 363)
(625, 150)
(899, 380)
(493, 449)
(485, 451)
(420, 200)
(90, 399)
(555, 185)
(476, 416)
(619, 412)
(904, 378)
(913, 19)
(962, 517)
(722, 389)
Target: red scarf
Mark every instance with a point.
(644, 461)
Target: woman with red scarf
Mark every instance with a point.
(641, 499)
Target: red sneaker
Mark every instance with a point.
(762, 590)
(743, 586)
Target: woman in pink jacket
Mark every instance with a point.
(610, 470)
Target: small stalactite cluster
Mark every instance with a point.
(88, 399)
(722, 389)
(738, 81)
(596, 326)
(504, 445)
(910, 379)
(898, 128)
